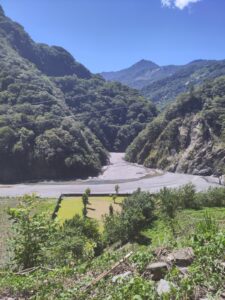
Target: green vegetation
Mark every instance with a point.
(188, 137)
(137, 212)
(56, 118)
(66, 258)
(162, 84)
(98, 206)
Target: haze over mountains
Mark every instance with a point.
(162, 84)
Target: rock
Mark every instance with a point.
(160, 252)
(163, 287)
(156, 271)
(203, 172)
(183, 270)
(182, 257)
(120, 277)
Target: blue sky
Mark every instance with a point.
(108, 35)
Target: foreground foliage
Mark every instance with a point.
(66, 258)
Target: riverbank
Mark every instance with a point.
(129, 176)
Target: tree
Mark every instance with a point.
(169, 205)
(85, 202)
(34, 233)
(88, 192)
(111, 210)
(117, 187)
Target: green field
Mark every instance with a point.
(99, 205)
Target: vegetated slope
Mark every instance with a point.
(39, 137)
(189, 136)
(140, 74)
(115, 113)
(162, 84)
(42, 90)
(195, 73)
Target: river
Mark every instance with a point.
(129, 176)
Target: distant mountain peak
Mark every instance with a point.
(145, 63)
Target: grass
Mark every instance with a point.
(161, 235)
(99, 205)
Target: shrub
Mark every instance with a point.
(81, 238)
(187, 197)
(137, 213)
(34, 233)
(170, 202)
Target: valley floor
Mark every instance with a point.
(129, 176)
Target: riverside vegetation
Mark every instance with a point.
(60, 261)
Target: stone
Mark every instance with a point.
(183, 270)
(122, 276)
(182, 257)
(156, 271)
(163, 287)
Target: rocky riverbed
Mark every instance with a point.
(129, 176)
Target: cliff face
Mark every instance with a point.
(189, 136)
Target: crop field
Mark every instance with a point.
(99, 205)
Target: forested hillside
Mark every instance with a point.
(162, 84)
(50, 105)
(189, 136)
(195, 73)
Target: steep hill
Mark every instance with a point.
(162, 84)
(189, 136)
(49, 102)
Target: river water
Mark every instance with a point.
(129, 176)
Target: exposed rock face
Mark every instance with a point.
(188, 137)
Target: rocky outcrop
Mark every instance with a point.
(187, 138)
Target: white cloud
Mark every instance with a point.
(181, 4)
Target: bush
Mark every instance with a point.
(170, 202)
(187, 197)
(81, 238)
(137, 213)
(34, 234)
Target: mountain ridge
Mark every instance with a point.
(164, 83)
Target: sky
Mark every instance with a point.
(109, 35)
